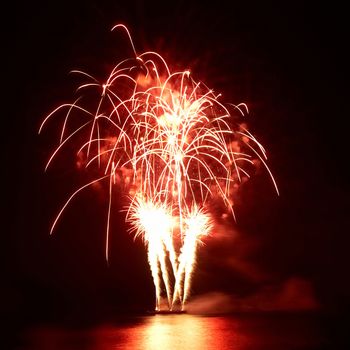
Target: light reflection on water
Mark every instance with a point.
(182, 332)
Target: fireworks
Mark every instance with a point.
(172, 146)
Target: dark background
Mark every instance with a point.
(286, 60)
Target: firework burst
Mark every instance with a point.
(175, 149)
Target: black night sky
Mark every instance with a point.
(286, 60)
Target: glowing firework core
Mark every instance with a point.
(173, 146)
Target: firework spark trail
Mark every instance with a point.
(172, 145)
(153, 221)
(197, 225)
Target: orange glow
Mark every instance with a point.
(177, 149)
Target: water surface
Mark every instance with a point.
(183, 331)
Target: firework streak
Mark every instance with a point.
(175, 149)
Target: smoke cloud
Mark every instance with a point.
(293, 294)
